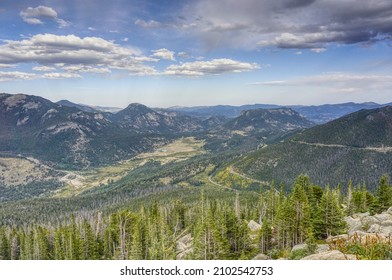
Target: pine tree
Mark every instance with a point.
(265, 236)
(5, 247)
(383, 199)
(329, 219)
(299, 211)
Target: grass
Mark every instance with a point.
(178, 150)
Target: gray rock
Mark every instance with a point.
(383, 217)
(330, 255)
(369, 221)
(261, 257)
(386, 230)
(336, 238)
(360, 215)
(184, 246)
(321, 248)
(389, 211)
(299, 247)
(374, 228)
(386, 223)
(354, 229)
(186, 238)
(253, 225)
(351, 222)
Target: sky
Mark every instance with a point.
(200, 52)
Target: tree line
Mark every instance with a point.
(218, 228)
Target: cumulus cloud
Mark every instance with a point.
(85, 69)
(38, 14)
(163, 54)
(2, 65)
(44, 68)
(212, 67)
(55, 75)
(94, 54)
(298, 24)
(16, 75)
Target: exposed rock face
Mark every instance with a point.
(261, 257)
(299, 247)
(253, 226)
(363, 223)
(330, 255)
(184, 246)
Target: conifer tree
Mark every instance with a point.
(329, 219)
(383, 199)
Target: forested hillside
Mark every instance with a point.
(212, 228)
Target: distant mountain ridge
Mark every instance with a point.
(316, 113)
(357, 146)
(140, 118)
(268, 119)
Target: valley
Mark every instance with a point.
(79, 181)
(79, 169)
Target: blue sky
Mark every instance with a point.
(201, 52)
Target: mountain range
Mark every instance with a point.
(69, 135)
(316, 113)
(276, 143)
(355, 147)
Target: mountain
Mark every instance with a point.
(227, 111)
(253, 128)
(355, 147)
(318, 114)
(365, 128)
(328, 112)
(265, 120)
(142, 119)
(64, 136)
(81, 107)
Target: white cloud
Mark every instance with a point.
(163, 54)
(212, 67)
(148, 24)
(38, 14)
(3, 65)
(183, 55)
(338, 83)
(94, 54)
(16, 75)
(85, 69)
(55, 75)
(44, 68)
(125, 39)
(318, 50)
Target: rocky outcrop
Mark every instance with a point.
(253, 226)
(261, 257)
(184, 246)
(363, 224)
(330, 255)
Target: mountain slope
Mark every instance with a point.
(316, 113)
(264, 120)
(356, 147)
(64, 136)
(81, 107)
(141, 119)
